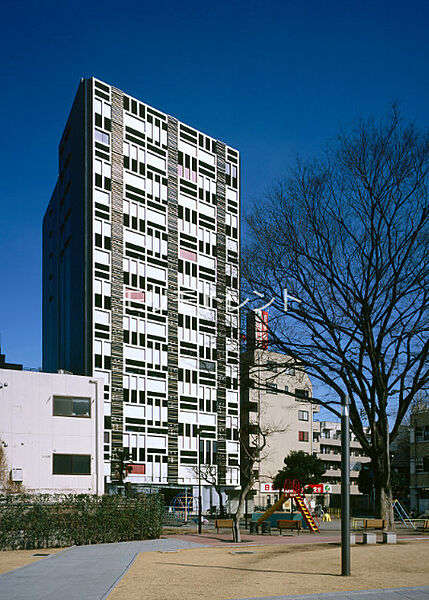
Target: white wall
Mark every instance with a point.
(31, 434)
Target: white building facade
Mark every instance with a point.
(51, 432)
(141, 251)
(327, 447)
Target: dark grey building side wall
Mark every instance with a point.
(50, 286)
(66, 273)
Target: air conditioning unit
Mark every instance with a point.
(17, 475)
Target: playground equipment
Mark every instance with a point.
(402, 514)
(184, 505)
(293, 490)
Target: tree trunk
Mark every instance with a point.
(240, 511)
(219, 493)
(383, 491)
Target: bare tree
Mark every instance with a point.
(254, 439)
(348, 235)
(6, 484)
(209, 473)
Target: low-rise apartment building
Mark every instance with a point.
(51, 432)
(327, 447)
(419, 458)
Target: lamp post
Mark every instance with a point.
(345, 488)
(200, 529)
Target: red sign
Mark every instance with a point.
(316, 487)
(267, 488)
(261, 326)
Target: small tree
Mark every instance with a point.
(253, 441)
(123, 468)
(6, 484)
(209, 473)
(302, 466)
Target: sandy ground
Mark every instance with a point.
(222, 573)
(12, 559)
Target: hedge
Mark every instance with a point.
(41, 521)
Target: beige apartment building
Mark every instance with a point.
(275, 396)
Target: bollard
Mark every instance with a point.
(369, 538)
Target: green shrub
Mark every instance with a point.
(40, 521)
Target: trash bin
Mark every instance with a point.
(254, 527)
(266, 527)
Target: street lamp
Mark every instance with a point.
(345, 487)
(345, 454)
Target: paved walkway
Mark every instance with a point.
(80, 572)
(91, 573)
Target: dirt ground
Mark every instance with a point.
(12, 559)
(224, 573)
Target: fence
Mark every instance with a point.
(334, 513)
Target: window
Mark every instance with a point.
(419, 434)
(303, 415)
(272, 366)
(301, 393)
(71, 464)
(64, 406)
(303, 436)
(289, 370)
(101, 137)
(271, 388)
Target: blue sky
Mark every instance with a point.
(274, 80)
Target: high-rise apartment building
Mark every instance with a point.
(140, 284)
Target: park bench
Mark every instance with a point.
(288, 524)
(374, 524)
(424, 527)
(224, 524)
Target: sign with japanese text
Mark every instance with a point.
(268, 488)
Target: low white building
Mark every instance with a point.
(327, 447)
(51, 428)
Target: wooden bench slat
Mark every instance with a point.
(288, 524)
(224, 523)
(374, 524)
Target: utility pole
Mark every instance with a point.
(345, 488)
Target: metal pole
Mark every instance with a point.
(199, 483)
(345, 488)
